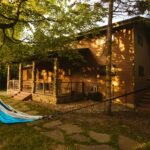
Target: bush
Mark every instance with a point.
(95, 96)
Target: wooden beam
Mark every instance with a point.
(44, 87)
(20, 77)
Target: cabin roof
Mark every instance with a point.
(116, 25)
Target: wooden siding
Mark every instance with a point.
(122, 58)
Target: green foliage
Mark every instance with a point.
(43, 25)
(68, 58)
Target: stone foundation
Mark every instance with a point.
(44, 98)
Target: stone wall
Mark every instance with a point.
(44, 98)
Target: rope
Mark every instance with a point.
(90, 105)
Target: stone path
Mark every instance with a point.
(127, 143)
(79, 138)
(52, 124)
(99, 137)
(94, 147)
(70, 128)
(55, 135)
(33, 112)
(59, 131)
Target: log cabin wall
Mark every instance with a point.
(142, 58)
(122, 59)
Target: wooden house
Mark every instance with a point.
(53, 83)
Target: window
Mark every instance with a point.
(102, 70)
(140, 40)
(141, 71)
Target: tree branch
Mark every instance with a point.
(15, 20)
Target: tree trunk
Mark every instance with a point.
(8, 77)
(55, 81)
(109, 59)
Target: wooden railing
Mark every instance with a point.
(45, 88)
(13, 85)
(70, 88)
(77, 88)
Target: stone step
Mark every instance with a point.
(23, 96)
(20, 96)
(24, 93)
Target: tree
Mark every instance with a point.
(44, 24)
(109, 59)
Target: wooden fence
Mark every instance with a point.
(13, 84)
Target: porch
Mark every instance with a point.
(51, 88)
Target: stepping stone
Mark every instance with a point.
(24, 108)
(94, 147)
(32, 112)
(126, 143)
(99, 137)
(60, 147)
(34, 123)
(70, 128)
(37, 128)
(79, 138)
(52, 124)
(56, 135)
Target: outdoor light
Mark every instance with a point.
(98, 76)
(113, 70)
(113, 38)
(69, 72)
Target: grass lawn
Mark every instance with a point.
(28, 136)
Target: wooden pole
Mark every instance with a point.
(44, 87)
(55, 76)
(20, 77)
(83, 88)
(8, 77)
(33, 76)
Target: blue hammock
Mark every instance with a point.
(10, 115)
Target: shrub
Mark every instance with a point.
(97, 96)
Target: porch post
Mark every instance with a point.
(20, 77)
(33, 76)
(8, 77)
(55, 83)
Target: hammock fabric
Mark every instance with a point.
(10, 115)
